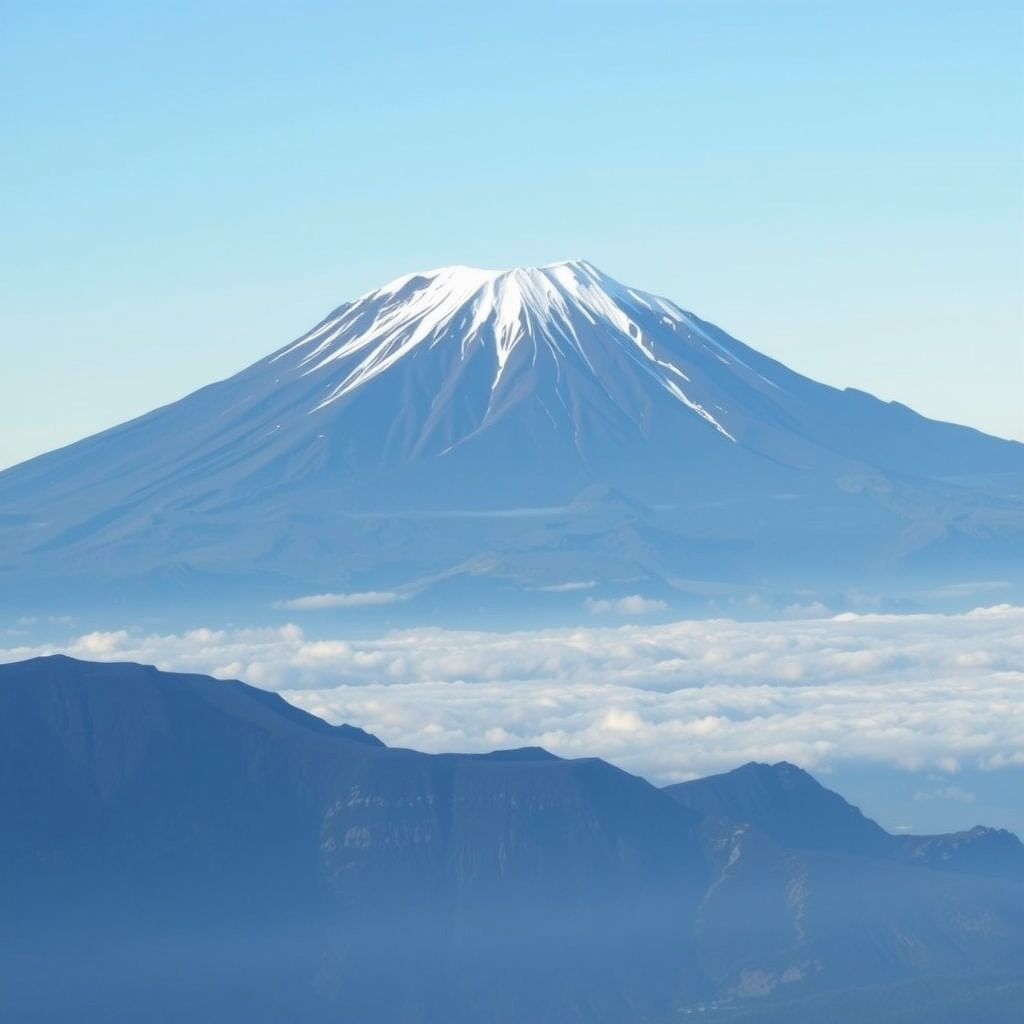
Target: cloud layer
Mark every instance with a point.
(634, 604)
(362, 598)
(923, 692)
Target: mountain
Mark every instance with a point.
(788, 805)
(803, 882)
(978, 851)
(793, 809)
(177, 847)
(463, 432)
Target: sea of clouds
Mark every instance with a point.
(928, 692)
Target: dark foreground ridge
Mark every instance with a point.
(179, 848)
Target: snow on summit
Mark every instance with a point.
(561, 310)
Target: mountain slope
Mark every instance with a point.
(789, 805)
(795, 811)
(497, 398)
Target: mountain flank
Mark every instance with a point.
(465, 436)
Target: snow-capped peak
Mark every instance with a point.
(565, 309)
(509, 430)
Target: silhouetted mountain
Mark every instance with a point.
(176, 847)
(979, 851)
(796, 811)
(793, 921)
(805, 889)
(465, 431)
(788, 805)
(180, 848)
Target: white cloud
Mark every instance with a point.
(314, 602)
(632, 605)
(937, 693)
(563, 588)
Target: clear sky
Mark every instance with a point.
(185, 186)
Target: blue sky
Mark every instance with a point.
(187, 186)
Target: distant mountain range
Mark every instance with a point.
(464, 437)
(180, 848)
